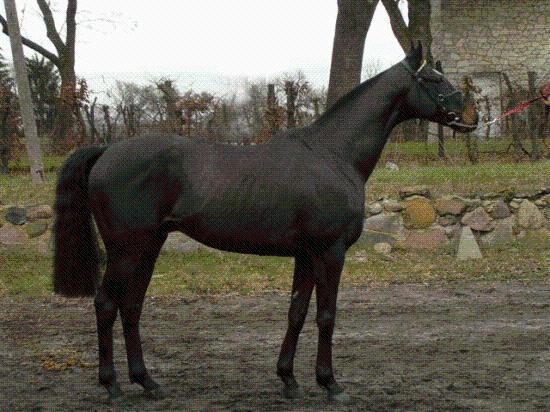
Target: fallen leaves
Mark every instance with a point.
(62, 360)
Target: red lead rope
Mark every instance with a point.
(544, 94)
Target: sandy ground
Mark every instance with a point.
(471, 346)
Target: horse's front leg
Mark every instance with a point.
(328, 269)
(302, 288)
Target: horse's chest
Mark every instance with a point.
(333, 217)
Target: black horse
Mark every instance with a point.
(301, 194)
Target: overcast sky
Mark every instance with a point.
(206, 44)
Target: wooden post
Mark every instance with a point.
(535, 117)
(23, 88)
(441, 142)
(513, 101)
(467, 88)
(108, 135)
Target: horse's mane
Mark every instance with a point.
(351, 95)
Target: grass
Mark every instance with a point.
(455, 150)
(24, 272)
(441, 178)
(18, 189)
(461, 179)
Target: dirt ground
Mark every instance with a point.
(474, 346)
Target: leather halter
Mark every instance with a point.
(441, 99)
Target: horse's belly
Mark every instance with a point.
(241, 235)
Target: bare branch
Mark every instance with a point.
(32, 45)
(51, 30)
(398, 24)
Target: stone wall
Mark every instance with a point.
(476, 36)
(419, 221)
(416, 220)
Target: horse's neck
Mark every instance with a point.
(357, 130)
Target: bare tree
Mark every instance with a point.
(254, 108)
(418, 29)
(64, 60)
(25, 98)
(352, 24)
(371, 68)
(195, 107)
(89, 109)
(171, 97)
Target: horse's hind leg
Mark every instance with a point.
(130, 311)
(107, 301)
(301, 293)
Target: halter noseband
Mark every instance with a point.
(441, 99)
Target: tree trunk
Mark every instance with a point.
(352, 24)
(66, 107)
(90, 116)
(272, 110)
(171, 97)
(419, 25)
(25, 98)
(108, 125)
(291, 93)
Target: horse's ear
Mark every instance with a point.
(438, 67)
(414, 58)
(419, 49)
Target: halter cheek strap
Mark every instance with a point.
(441, 98)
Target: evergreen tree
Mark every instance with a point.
(8, 116)
(45, 81)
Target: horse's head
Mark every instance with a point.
(431, 96)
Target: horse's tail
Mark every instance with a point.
(76, 257)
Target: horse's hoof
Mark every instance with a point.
(292, 392)
(156, 393)
(115, 394)
(115, 391)
(338, 395)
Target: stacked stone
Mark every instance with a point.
(20, 225)
(419, 221)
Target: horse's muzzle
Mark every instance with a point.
(464, 123)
